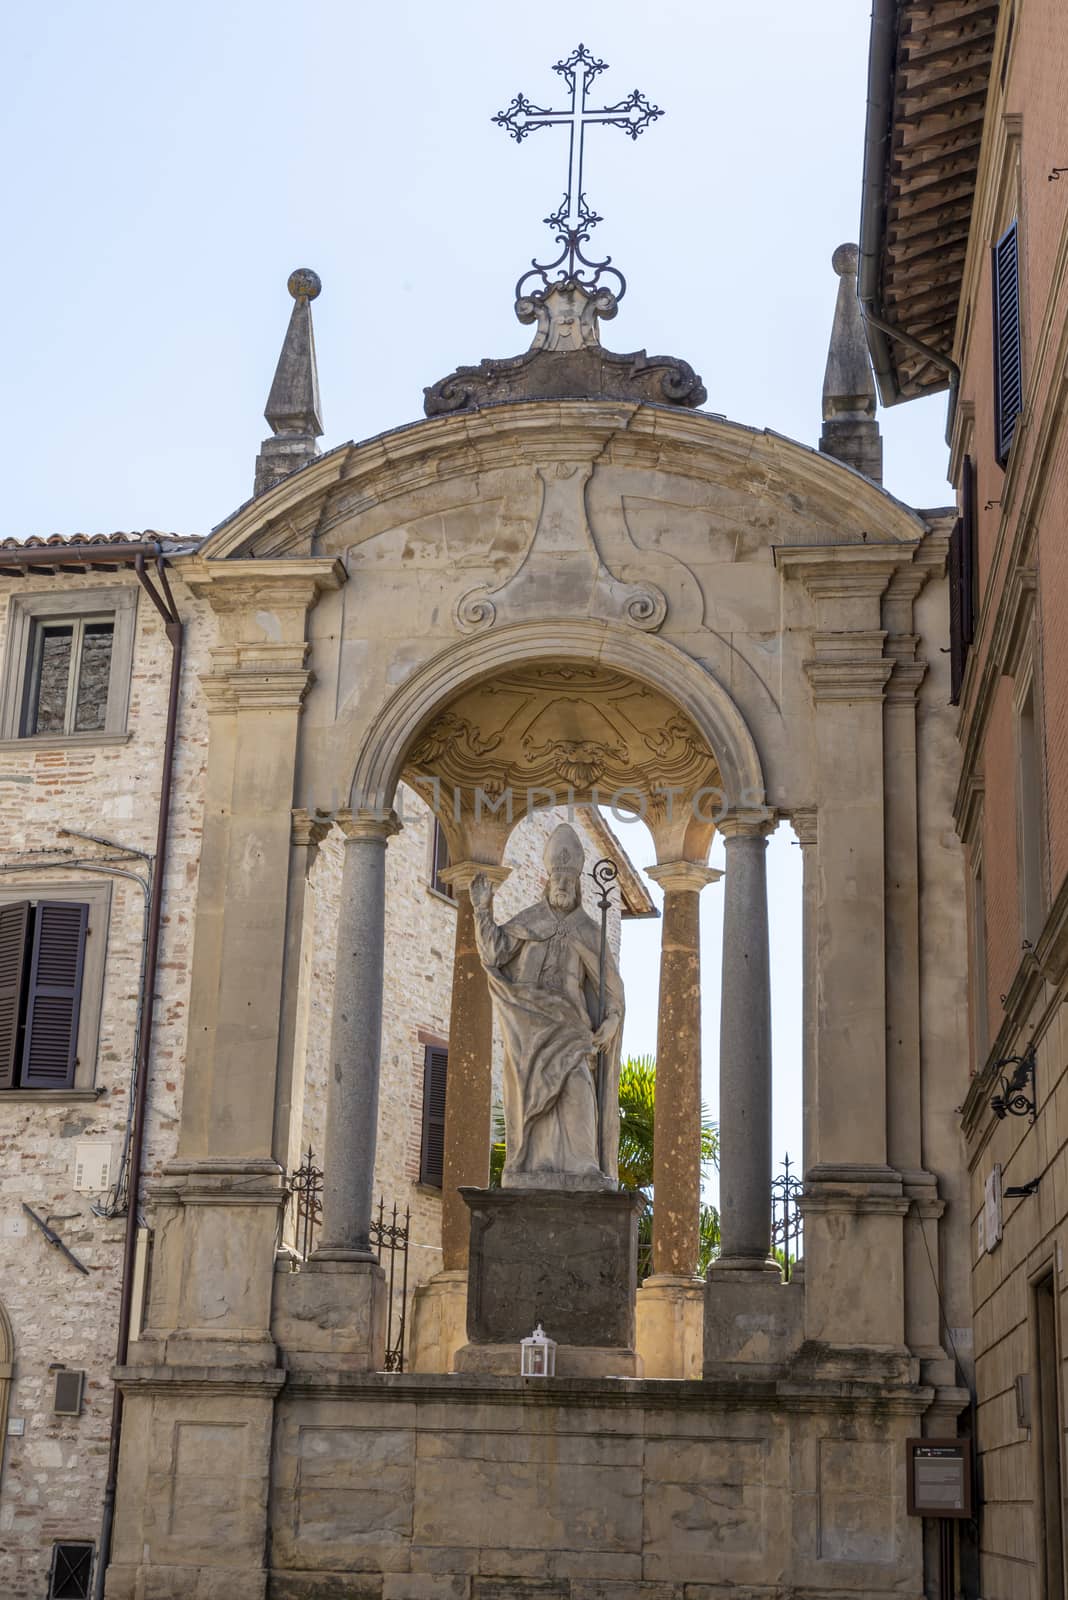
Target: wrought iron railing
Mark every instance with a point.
(787, 1223)
(389, 1235)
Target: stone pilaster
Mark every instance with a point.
(805, 823)
(469, 1083)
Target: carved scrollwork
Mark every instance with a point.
(646, 608)
(474, 611)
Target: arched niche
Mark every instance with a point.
(444, 680)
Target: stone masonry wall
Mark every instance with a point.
(53, 1472)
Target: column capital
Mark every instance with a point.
(368, 824)
(747, 824)
(461, 874)
(805, 822)
(681, 876)
(310, 828)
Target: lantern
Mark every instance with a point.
(538, 1355)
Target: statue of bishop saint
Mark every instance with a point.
(561, 1123)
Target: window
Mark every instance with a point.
(439, 860)
(1008, 371)
(42, 959)
(432, 1154)
(67, 682)
(67, 665)
(72, 1568)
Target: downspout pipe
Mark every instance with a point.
(877, 134)
(163, 600)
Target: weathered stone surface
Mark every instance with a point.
(566, 1260)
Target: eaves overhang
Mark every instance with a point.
(928, 78)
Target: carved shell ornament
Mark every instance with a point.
(569, 728)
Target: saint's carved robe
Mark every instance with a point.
(542, 971)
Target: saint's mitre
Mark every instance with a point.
(564, 852)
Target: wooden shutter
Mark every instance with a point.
(1008, 372)
(956, 638)
(435, 1072)
(54, 1000)
(14, 935)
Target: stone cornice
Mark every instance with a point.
(356, 477)
(796, 1392)
(845, 572)
(251, 585)
(859, 679)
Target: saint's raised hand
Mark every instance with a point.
(481, 892)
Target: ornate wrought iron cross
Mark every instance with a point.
(574, 217)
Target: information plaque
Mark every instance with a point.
(940, 1477)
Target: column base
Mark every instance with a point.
(438, 1322)
(753, 1322)
(744, 1266)
(331, 1315)
(572, 1361)
(670, 1319)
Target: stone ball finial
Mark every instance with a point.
(304, 284)
(846, 260)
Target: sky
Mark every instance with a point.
(166, 167)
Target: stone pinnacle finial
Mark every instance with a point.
(850, 430)
(293, 409)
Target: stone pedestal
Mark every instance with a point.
(438, 1322)
(754, 1323)
(332, 1315)
(567, 1259)
(670, 1326)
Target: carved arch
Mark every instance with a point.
(644, 657)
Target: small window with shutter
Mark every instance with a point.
(42, 967)
(432, 1158)
(1008, 366)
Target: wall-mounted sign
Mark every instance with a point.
(992, 1220)
(939, 1477)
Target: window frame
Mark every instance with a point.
(28, 614)
(435, 882)
(1030, 794)
(34, 661)
(97, 896)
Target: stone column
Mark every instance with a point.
(469, 1083)
(355, 1042)
(745, 1053)
(677, 1138)
(805, 825)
